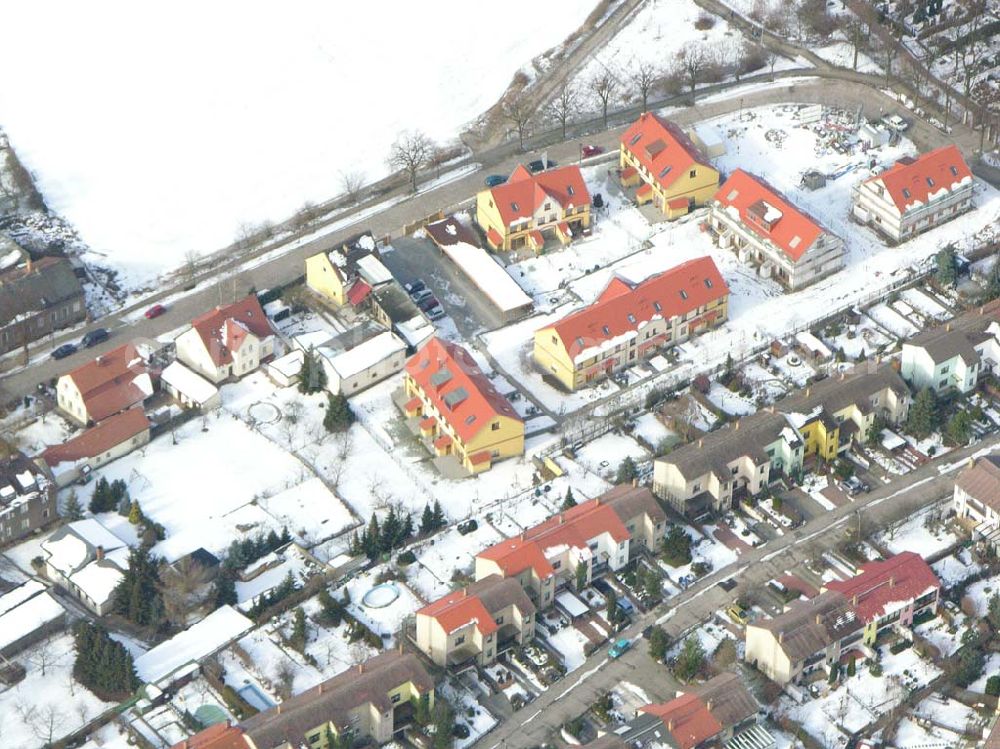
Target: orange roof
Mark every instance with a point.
(113, 382)
(358, 292)
(879, 585)
(413, 404)
(219, 736)
(678, 203)
(765, 211)
(629, 171)
(443, 441)
(101, 438)
(452, 381)
(458, 609)
(524, 193)
(688, 720)
(644, 189)
(494, 236)
(622, 308)
(911, 182)
(223, 329)
(661, 147)
(575, 528)
(428, 423)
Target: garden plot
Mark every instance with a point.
(859, 341)
(225, 467)
(731, 402)
(513, 519)
(766, 385)
(42, 709)
(911, 733)
(948, 713)
(469, 712)
(570, 644)
(710, 635)
(442, 556)
(955, 568)
(606, 453)
(991, 667)
(652, 431)
(275, 569)
(920, 533)
(273, 665)
(925, 303)
(384, 615)
(943, 633)
(48, 429)
(841, 54)
(310, 511)
(980, 593)
(892, 320)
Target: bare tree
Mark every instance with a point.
(46, 723)
(410, 154)
(603, 85)
(692, 59)
(517, 110)
(43, 656)
(644, 78)
(286, 678)
(180, 584)
(563, 106)
(352, 182)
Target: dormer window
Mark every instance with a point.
(930, 182)
(657, 307)
(579, 342)
(631, 318)
(684, 294)
(708, 283)
(515, 207)
(570, 190)
(607, 330)
(665, 171)
(906, 193)
(954, 171)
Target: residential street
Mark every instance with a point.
(540, 721)
(276, 268)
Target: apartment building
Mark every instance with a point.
(915, 194)
(764, 229)
(528, 209)
(27, 498)
(477, 623)
(37, 297)
(629, 322)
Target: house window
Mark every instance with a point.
(499, 620)
(657, 307)
(684, 294)
(696, 488)
(556, 565)
(631, 318)
(495, 426)
(569, 190)
(708, 283)
(459, 640)
(395, 698)
(693, 173)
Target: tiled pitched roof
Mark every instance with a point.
(810, 626)
(477, 603)
(219, 736)
(453, 382)
(687, 719)
(524, 193)
(767, 213)
(101, 438)
(662, 147)
(896, 580)
(853, 387)
(49, 282)
(223, 329)
(628, 501)
(112, 382)
(981, 480)
(621, 307)
(912, 182)
(574, 528)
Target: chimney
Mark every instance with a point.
(361, 668)
(770, 409)
(854, 600)
(808, 392)
(736, 426)
(819, 618)
(781, 637)
(99, 553)
(635, 483)
(708, 705)
(319, 688)
(701, 443)
(670, 724)
(279, 708)
(30, 265)
(892, 581)
(947, 328)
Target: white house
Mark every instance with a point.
(977, 495)
(88, 561)
(188, 388)
(229, 341)
(114, 437)
(950, 357)
(915, 194)
(109, 384)
(362, 366)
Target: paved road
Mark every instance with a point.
(540, 721)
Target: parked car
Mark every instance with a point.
(415, 286)
(67, 349)
(419, 296)
(538, 165)
(436, 313)
(626, 605)
(897, 123)
(619, 648)
(727, 584)
(95, 336)
(589, 151)
(494, 180)
(155, 311)
(428, 302)
(598, 201)
(853, 486)
(738, 615)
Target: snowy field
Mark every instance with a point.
(172, 153)
(768, 141)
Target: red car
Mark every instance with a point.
(589, 151)
(155, 311)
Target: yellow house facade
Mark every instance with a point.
(325, 280)
(666, 166)
(530, 209)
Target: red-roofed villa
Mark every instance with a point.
(754, 220)
(915, 194)
(228, 341)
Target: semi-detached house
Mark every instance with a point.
(458, 411)
(953, 355)
(915, 194)
(977, 497)
(528, 208)
(762, 227)
(629, 322)
(666, 166)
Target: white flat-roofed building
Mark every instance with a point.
(188, 388)
(364, 365)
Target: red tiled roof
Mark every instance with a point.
(494, 236)
(575, 528)
(524, 193)
(675, 292)
(629, 171)
(428, 423)
(896, 580)
(644, 189)
(688, 720)
(358, 292)
(223, 329)
(794, 231)
(678, 203)
(443, 441)
(413, 404)
(483, 456)
(907, 180)
(109, 433)
(661, 147)
(452, 381)
(458, 609)
(113, 382)
(219, 736)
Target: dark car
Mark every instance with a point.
(95, 336)
(727, 584)
(67, 349)
(435, 313)
(598, 201)
(589, 151)
(494, 180)
(415, 287)
(428, 302)
(540, 166)
(155, 311)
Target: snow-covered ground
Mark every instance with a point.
(172, 153)
(914, 535)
